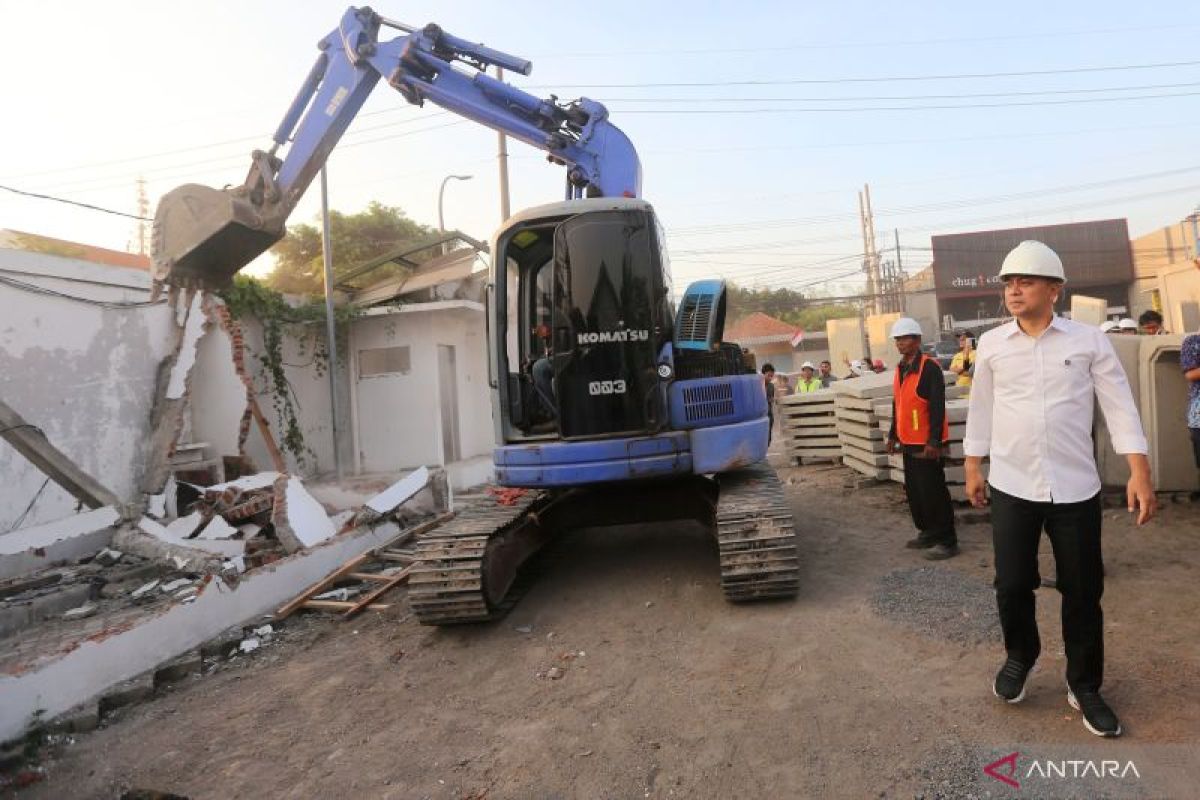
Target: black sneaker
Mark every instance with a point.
(941, 552)
(1097, 716)
(1009, 685)
(920, 543)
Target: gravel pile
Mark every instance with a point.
(939, 602)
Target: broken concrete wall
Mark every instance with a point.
(82, 372)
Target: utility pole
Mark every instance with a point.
(899, 273)
(143, 210)
(330, 325)
(502, 156)
(870, 253)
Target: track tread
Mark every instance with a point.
(756, 536)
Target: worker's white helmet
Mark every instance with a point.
(1127, 324)
(807, 365)
(906, 326)
(1033, 258)
(1107, 326)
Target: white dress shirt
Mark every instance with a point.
(1031, 409)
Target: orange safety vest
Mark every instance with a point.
(912, 410)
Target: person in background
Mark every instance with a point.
(825, 374)
(1151, 323)
(808, 381)
(768, 373)
(783, 386)
(1127, 327)
(1108, 326)
(1037, 381)
(1189, 359)
(963, 363)
(920, 431)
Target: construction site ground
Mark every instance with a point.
(623, 673)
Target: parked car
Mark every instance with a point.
(942, 350)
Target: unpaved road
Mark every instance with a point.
(677, 694)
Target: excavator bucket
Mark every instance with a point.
(203, 236)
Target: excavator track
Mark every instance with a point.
(756, 536)
(449, 582)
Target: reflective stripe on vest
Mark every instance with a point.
(912, 410)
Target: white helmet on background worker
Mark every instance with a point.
(906, 326)
(808, 365)
(859, 367)
(1127, 324)
(1108, 326)
(1033, 258)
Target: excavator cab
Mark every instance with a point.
(588, 313)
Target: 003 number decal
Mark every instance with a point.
(606, 387)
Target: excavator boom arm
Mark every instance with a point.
(203, 236)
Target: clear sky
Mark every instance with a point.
(754, 166)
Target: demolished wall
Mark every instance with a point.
(82, 370)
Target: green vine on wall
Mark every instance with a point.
(247, 298)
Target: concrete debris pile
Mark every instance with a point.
(808, 425)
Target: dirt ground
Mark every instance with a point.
(861, 687)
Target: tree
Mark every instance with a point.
(357, 238)
(806, 313)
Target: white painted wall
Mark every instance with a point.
(82, 373)
(399, 416)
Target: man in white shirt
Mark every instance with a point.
(1031, 411)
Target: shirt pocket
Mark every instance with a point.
(1068, 377)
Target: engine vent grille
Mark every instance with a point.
(708, 402)
(696, 317)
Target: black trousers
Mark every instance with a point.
(928, 498)
(1074, 531)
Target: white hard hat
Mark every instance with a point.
(1107, 326)
(1033, 258)
(1127, 324)
(807, 365)
(905, 326)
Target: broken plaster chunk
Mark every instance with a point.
(156, 505)
(300, 520)
(264, 631)
(341, 595)
(193, 329)
(144, 590)
(218, 528)
(187, 594)
(246, 483)
(185, 527)
(107, 557)
(249, 645)
(399, 492)
(249, 530)
(80, 612)
(236, 564)
(175, 585)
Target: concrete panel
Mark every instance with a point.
(879, 337)
(1089, 310)
(845, 341)
(1164, 398)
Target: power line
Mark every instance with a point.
(863, 98)
(876, 79)
(73, 203)
(928, 107)
(862, 43)
(35, 289)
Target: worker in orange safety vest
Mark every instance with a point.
(920, 431)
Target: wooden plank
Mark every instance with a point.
(341, 605)
(405, 535)
(397, 579)
(314, 590)
(29, 441)
(369, 576)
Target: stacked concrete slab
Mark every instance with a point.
(956, 411)
(809, 426)
(863, 444)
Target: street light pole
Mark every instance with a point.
(441, 195)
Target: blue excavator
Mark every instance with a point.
(612, 405)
